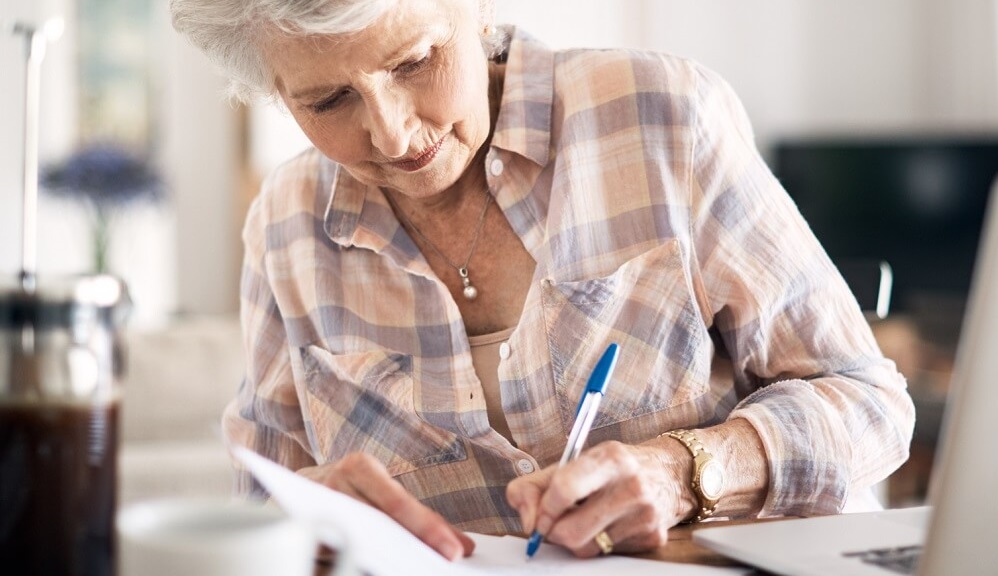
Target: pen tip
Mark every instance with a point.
(533, 544)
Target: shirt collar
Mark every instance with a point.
(524, 123)
(359, 215)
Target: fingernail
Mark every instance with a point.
(451, 550)
(528, 522)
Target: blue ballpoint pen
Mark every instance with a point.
(585, 413)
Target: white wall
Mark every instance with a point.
(843, 65)
(577, 23)
(200, 156)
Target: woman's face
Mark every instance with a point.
(402, 104)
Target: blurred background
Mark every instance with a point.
(880, 117)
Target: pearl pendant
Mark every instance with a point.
(470, 292)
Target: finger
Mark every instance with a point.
(632, 529)
(590, 548)
(466, 541)
(629, 509)
(573, 483)
(620, 541)
(366, 479)
(391, 497)
(641, 542)
(577, 528)
(524, 494)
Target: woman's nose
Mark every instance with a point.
(391, 123)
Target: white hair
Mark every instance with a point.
(228, 31)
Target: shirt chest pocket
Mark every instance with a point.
(647, 307)
(363, 402)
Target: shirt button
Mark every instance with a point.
(504, 350)
(525, 466)
(495, 167)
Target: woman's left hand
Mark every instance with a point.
(634, 493)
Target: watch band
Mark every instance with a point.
(704, 465)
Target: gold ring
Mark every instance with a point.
(604, 542)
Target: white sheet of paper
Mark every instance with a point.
(507, 555)
(380, 546)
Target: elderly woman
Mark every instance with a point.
(426, 291)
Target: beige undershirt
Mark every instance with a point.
(485, 359)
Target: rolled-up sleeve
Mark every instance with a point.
(265, 416)
(834, 415)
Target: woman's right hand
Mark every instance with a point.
(365, 478)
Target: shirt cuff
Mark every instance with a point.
(806, 446)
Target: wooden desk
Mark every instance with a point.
(681, 547)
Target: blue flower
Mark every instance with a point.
(105, 175)
(106, 178)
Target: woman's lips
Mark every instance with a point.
(427, 156)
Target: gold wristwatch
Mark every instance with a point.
(708, 474)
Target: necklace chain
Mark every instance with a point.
(470, 292)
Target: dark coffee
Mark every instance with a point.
(58, 484)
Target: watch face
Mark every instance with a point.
(712, 479)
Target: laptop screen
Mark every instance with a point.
(965, 477)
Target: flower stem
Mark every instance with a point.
(101, 241)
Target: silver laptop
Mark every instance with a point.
(958, 532)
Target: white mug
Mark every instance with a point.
(212, 537)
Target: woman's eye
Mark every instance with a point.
(328, 103)
(414, 66)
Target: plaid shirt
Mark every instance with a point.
(633, 181)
